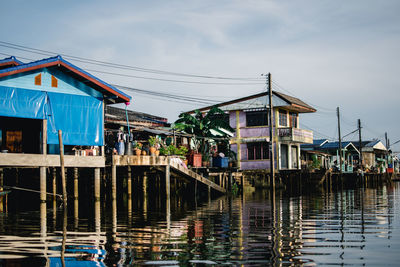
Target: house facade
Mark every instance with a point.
(249, 117)
(39, 98)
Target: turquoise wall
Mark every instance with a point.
(66, 83)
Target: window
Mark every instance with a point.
(282, 118)
(293, 119)
(257, 118)
(257, 150)
(38, 79)
(54, 81)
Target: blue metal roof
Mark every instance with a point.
(10, 59)
(335, 145)
(48, 61)
(318, 142)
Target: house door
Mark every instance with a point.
(295, 161)
(284, 156)
(14, 141)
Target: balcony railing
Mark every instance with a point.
(290, 134)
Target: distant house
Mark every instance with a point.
(311, 155)
(349, 154)
(249, 116)
(48, 95)
(374, 153)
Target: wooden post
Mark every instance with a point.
(167, 181)
(271, 136)
(113, 181)
(76, 213)
(97, 184)
(43, 219)
(63, 181)
(44, 137)
(168, 193)
(360, 146)
(1, 179)
(97, 216)
(43, 189)
(340, 142)
(76, 183)
(129, 182)
(145, 195)
(43, 145)
(54, 182)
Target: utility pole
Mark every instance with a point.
(360, 147)
(386, 141)
(340, 141)
(271, 137)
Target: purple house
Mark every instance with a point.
(249, 117)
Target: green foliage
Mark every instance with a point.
(173, 150)
(137, 145)
(316, 162)
(163, 151)
(203, 126)
(152, 141)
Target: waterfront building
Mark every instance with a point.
(249, 117)
(39, 98)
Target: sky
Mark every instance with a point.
(329, 54)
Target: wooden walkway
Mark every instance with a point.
(40, 160)
(164, 161)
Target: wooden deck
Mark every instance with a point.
(39, 160)
(174, 165)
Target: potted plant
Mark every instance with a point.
(232, 159)
(138, 148)
(206, 160)
(152, 143)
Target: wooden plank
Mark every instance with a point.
(196, 176)
(38, 160)
(124, 160)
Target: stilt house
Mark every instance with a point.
(249, 116)
(39, 98)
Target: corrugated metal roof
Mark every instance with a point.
(9, 62)
(260, 101)
(59, 61)
(119, 114)
(335, 145)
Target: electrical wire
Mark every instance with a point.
(121, 66)
(170, 96)
(168, 80)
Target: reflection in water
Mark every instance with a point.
(355, 226)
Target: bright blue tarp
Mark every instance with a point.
(79, 117)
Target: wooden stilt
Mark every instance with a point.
(43, 184)
(76, 183)
(114, 182)
(76, 213)
(43, 219)
(129, 185)
(1, 179)
(168, 194)
(97, 184)
(54, 182)
(145, 195)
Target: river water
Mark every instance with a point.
(341, 227)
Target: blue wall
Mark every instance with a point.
(72, 107)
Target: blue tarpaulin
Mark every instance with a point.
(79, 117)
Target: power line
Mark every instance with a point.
(170, 96)
(321, 134)
(168, 80)
(120, 66)
(317, 106)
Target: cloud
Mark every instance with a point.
(328, 53)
